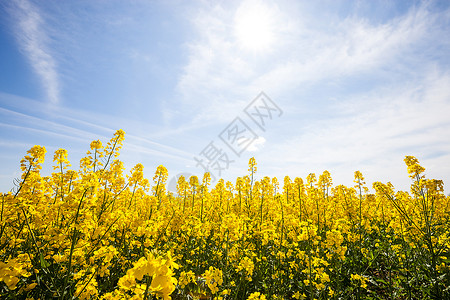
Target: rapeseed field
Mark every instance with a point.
(100, 232)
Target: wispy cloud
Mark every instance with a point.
(355, 47)
(26, 116)
(33, 41)
(219, 74)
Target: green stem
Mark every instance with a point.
(72, 246)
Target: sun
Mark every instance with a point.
(254, 26)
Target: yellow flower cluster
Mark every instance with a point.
(256, 296)
(213, 277)
(246, 264)
(360, 280)
(158, 270)
(13, 269)
(186, 278)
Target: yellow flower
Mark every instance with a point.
(297, 295)
(252, 165)
(358, 278)
(213, 278)
(247, 265)
(186, 278)
(256, 296)
(59, 258)
(61, 160)
(127, 282)
(414, 169)
(30, 286)
(96, 145)
(36, 156)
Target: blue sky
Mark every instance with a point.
(353, 85)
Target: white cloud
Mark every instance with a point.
(219, 74)
(355, 47)
(374, 134)
(34, 43)
(256, 145)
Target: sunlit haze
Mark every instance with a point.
(255, 26)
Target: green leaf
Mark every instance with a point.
(44, 263)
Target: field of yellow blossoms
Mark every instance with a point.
(100, 232)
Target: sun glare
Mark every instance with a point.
(254, 26)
